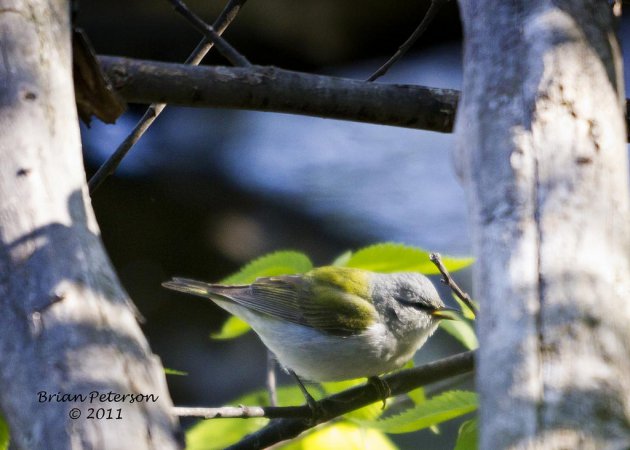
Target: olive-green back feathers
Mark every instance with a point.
(335, 300)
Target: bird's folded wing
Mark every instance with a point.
(292, 298)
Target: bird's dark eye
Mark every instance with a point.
(417, 305)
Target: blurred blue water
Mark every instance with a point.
(367, 181)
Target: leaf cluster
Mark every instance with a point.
(367, 427)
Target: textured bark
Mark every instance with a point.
(272, 89)
(66, 325)
(541, 149)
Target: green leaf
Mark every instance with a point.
(369, 412)
(438, 409)
(467, 436)
(392, 257)
(232, 328)
(216, 434)
(168, 371)
(4, 435)
(341, 436)
(417, 396)
(466, 311)
(277, 263)
(461, 330)
(342, 260)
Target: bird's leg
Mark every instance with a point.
(271, 379)
(316, 410)
(382, 388)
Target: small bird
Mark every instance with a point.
(333, 323)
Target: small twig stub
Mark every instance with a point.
(448, 280)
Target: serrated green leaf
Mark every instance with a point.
(277, 263)
(342, 259)
(4, 434)
(391, 257)
(417, 396)
(341, 436)
(168, 371)
(232, 328)
(466, 312)
(461, 330)
(438, 409)
(467, 436)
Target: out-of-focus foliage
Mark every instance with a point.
(440, 408)
(467, 436)
(364, 428)
(4, 435)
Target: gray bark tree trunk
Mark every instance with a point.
(66, 325)
(541, 150)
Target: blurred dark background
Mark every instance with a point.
(207, 190)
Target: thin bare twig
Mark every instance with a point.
(448, 280)
(155, 109)
(209, 32)
(271, 378)
(243, 412)
(355, 398)
(424, 24)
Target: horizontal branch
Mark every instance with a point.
(272, 89)
(243, 412)
(355, 398)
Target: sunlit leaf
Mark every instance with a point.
(342, 260)
(417, 396)
(392, 257)
(4, 434)
(277, 263)
(438, 409)
(369, 412)
(461, 330)
(232, 328)
(467, 436)
(466, 312)
(168, 371)
(342, 436)
(216, 434)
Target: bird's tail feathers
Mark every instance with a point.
(199, 288)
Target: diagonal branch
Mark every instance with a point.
(447, 279)
(211, 35)
(155, 109)
(424, 24)
(273, 89)
(355, 398)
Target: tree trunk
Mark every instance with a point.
(66, 325)
(541, 150)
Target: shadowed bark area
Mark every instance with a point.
(67, 326)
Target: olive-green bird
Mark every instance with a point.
(333, 323)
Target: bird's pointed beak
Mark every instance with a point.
(447, 313)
